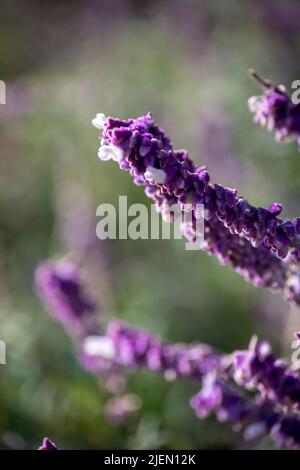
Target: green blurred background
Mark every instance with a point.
(186, 62)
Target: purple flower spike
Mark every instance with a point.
(256, 418)
(257, 368)
(253, 240)
(251, 389)
(272, 408)
(48, 445)
(275, 111)
(132, 348)
(60, 288)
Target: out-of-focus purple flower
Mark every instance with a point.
(97, 354)
(61, 289)
(217, 397)
(271, 111)
(243, 412)
(226, 379)
(209, 398)
(275, 111)
(119, 409)
(251, 239)
(258, 368)
(48, 445)
(134, 348)
(255, 368)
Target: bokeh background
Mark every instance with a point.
(186, 62)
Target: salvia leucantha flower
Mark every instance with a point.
(60, 288)
(251, 389)
(133, 348)
(255, 417)
(226, 379)
(275, 110)
(253, 240)
(256, 368)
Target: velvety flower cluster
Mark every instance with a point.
(256, 418)
(133, 348)
(226, 379)
(275, 111)
(253, 240)
(272, 406)
(251, 389)
(60, 287)
(257, 368)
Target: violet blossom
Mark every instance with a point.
(275, 111)
(226, 378)
(133, 348)
(258, 368)
(253, 240)
(251, 389)
(60, 288)
(256, 418)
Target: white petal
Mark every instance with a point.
(110, 152)
(117, 153)
(99, 121)
(99, 346)
(265, 349)
(104, 152)
(253, 102)
(155, 175)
